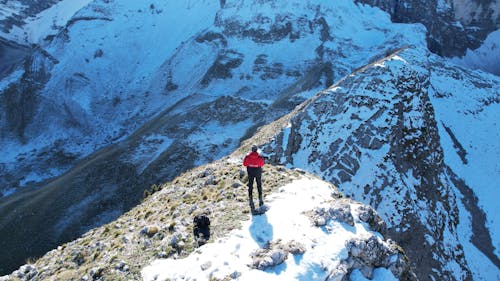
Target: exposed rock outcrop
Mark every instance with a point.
(453, 26)
(368, 254)
(275, 253)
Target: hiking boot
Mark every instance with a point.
(252, 207)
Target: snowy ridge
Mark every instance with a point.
(286, 221)
(377, 141)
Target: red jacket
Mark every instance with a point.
(254, 160)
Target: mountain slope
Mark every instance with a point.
(125, 99)
(396, 135)
(128, 94)
(97, 87)
(161, 227)
(11, 57)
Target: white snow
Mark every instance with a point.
(8, 191)
(442, 6)
(469, 111)
(378, 274)
(284, 220)
(286, 134)
(51, 20)
(48, 22)
(149, 150)
(481, 267)
(213, 133)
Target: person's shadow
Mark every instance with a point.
(261, 230)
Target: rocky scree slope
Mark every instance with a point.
(161, 227)
(98, 137)
(393, 135)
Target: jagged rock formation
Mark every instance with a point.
(453, 25)
(11, 57)
(376, 135)
(19, 100)
(368, 254)
(364, 254)
(275, 253)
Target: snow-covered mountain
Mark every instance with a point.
(125, 98)
(127, 94)
(486, 57)
(415, 137)
(34, 22)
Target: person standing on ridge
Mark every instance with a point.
(254, 163)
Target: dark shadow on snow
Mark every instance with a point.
(277, 269)
(298, 258)
(261, 230)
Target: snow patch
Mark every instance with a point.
(48, 22)
(378, 274)
(149, 150)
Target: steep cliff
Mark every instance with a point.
(453, 25)
(396, 135)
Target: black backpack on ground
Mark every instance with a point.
(201, 229)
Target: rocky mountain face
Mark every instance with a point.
(12, 57)
(129, 94)
(382, 137)
(453, 25)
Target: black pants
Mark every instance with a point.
(254, 174)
